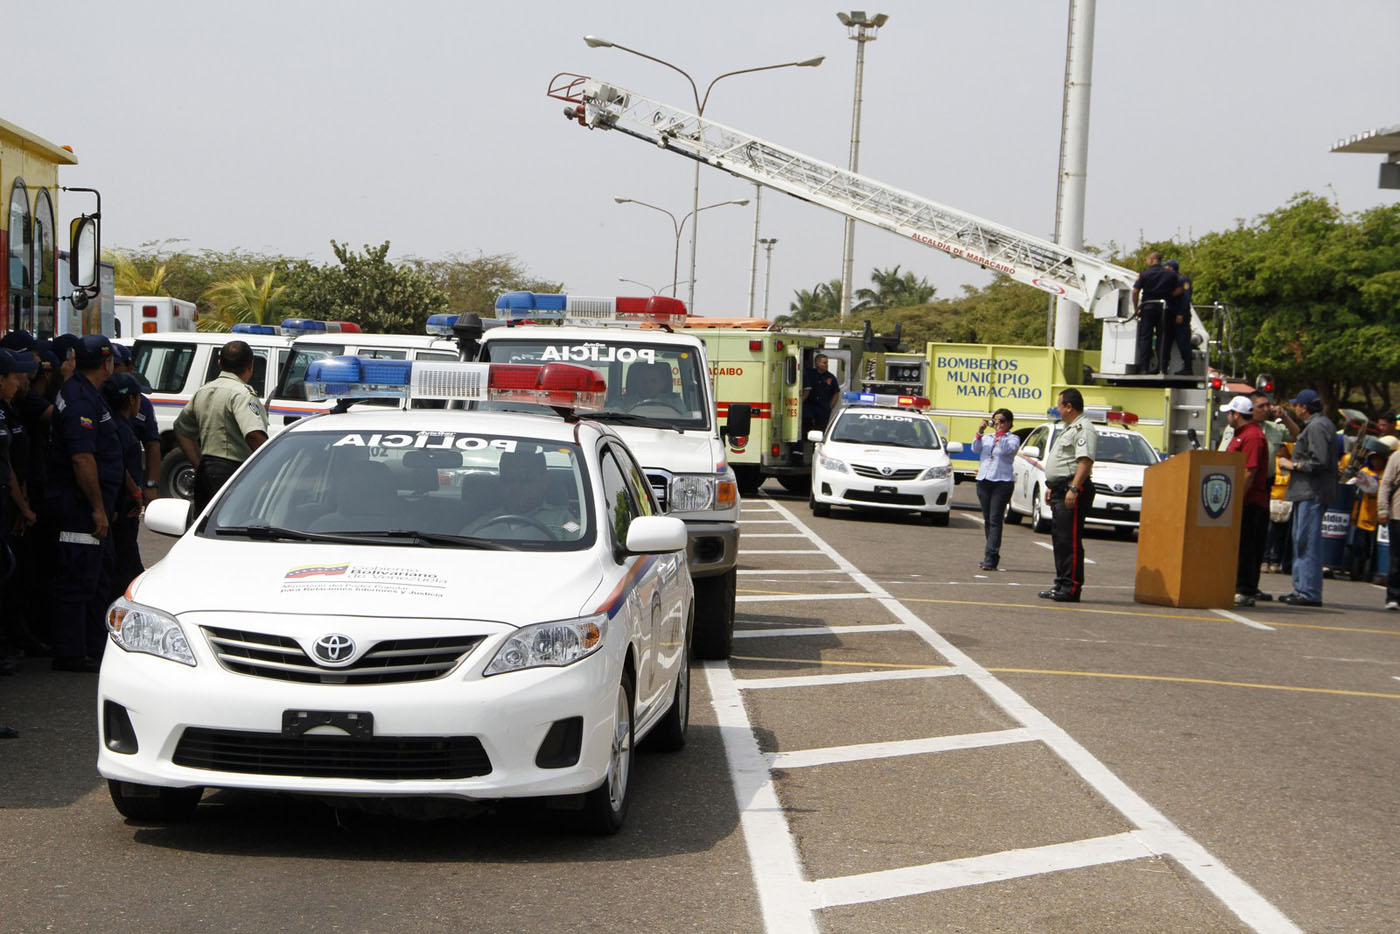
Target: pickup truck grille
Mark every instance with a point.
(660, 483)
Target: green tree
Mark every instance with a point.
(243, 299)
(367, 288)
(473, 283)
(891, 290)
(129, 278)
(822, 303)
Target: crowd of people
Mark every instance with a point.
(80, 458)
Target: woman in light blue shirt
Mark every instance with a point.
(994, 479)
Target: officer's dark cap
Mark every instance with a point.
(64, 343)
(17, 361)
(17, 340)
(93, 351)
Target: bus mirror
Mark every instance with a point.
(84, 249)
(740, 419)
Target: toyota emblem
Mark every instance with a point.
(334, 649)
(1118, 488)
(886, 471)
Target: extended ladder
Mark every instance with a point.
(1101, 288)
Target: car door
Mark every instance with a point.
(1023, 471)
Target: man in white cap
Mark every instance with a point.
(1249, 440)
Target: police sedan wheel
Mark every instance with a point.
(151, 803)
(605, 807)
(1039, 520)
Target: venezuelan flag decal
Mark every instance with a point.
(317, 570)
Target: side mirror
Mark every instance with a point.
(740, 421)
(955, 447)
(84, 250)
(650, 535)
(168, 516)
(815, 435)
(1031, 450)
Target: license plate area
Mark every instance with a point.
(359, 724)
(887, 490)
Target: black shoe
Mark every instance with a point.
(984, 566)
(81, 664)
(1183, 373)
(1260, 595)
(1059, 596)
(1048, 594)
(1297, 599)
(8, 732)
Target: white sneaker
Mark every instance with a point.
(1392, 605)
(1243, 600)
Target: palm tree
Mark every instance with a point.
(815, 304)
(893, 291)
(243, 298)
(129, 280)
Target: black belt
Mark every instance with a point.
(1056, 485)
(1152, 301)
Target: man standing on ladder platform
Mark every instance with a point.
(1156, 286)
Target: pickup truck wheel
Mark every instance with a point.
(749, 477)
(177, 475)
(714, 615)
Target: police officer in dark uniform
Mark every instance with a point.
(1178, 320)
(17, 517)
(1155, 287)
(146, 429)
(1070, 495)
(122, 394)
(85, 473)
(819, 393)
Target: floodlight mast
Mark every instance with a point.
(1101, 288)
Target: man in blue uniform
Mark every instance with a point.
(820, 390)
(85, 472)
(1155, 287)
(1178, 323)
(143, 424)
(122, 394)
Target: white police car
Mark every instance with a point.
(1123, 455)
(390, 603)
(882, 452)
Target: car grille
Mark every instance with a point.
(323, 756)
(1103, 489)
(390, 662)
(889, 499)
(861, 470)
(660, 483)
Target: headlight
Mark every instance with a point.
(555, 644)
(691, 492)
(138, 628)
(937, 473)
(831, 463)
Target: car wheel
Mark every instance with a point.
(1124, 531)
(938, 518)
(820, 510)
(714, 615)
(1040, 518)
(177, 475)
(153, 803)
(669, 735)
(605, 807)
(796, 483)
(1012, 516)
(749, 478)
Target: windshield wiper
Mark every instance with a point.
(276, 533)
(414, 537)
(628, 418)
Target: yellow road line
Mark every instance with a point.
(1232, 684)
(1379, 632)
(819, 661)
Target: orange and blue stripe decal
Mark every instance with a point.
(614, 601)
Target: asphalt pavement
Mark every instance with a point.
(900, 742)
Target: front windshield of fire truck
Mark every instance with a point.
(658, 384)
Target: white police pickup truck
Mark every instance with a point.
(408, 604)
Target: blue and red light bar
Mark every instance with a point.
(886, 399)
(585, 309)
(561, 385)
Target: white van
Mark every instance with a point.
(152, 314)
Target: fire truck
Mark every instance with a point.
(964, 383)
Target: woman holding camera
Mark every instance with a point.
(995, 455)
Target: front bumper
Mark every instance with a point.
(510, 715)
(712, 547)
(839, 489)
(1117, 511)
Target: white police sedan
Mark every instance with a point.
(392, 603)
(882, 452)
(1123, 456)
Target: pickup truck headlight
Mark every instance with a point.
(832, 464)
(555, 644)
(937, 473)
(138, 628)
(691, 492)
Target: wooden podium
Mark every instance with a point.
(1189, 532)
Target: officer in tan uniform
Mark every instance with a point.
(223, 423)
(1070, 495)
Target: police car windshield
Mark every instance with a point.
(659, 383)
(1124, 449)
(893, 429)
(412, 488)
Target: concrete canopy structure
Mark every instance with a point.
(1384, 140)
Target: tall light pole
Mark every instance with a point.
(1074, 157)
(862, 29)
(767, 276)
(678, 226)
(753, 262)
(595, 42)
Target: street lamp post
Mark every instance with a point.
(862, 29)
(768, 274)
(678, 226)
(595, 42)
(645, 286)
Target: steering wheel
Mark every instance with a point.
(509, 518)
(669, 405)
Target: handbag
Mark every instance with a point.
(1280, 510)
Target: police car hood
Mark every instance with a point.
(678, 452)
(1127, 474)
(884, 454)
(317, 578)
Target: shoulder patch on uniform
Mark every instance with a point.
(84, 421)
(1082, 440)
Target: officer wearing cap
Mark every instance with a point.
(223, 423)
(1249, 440)
(1312, 486)
(122, 394)
(144, 425)
(1070, 494)
(1155, 286)
(85, 473)
(1178, 321)
(14, 370)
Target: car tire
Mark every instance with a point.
(749, 478)
(153, 803)
(714, 615)
(1012, 516)
(820, 510)
(1040, 516)
(176, 475)
(669, 734)
(796, 483)
(938, 518)
(1124, 532)
(605, 807)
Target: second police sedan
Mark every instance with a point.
(1123, 456)
(399, 604)
(882, 452)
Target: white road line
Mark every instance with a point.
(1049, 547)
(801, 571)
(805, 598)
(774, 535)
(776, 551)
(806, 758)
(815, 630)
(782, 897)
(1158, 833)
(977, 870)
(1234, 616)
(853, 677)
(763, 522)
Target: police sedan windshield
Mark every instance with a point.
(892, 429)
(411, 487)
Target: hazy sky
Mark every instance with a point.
(278, 126)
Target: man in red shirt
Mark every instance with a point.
(1254, 516)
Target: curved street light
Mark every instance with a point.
(597, 42)
(645, 286)
(678, 226)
